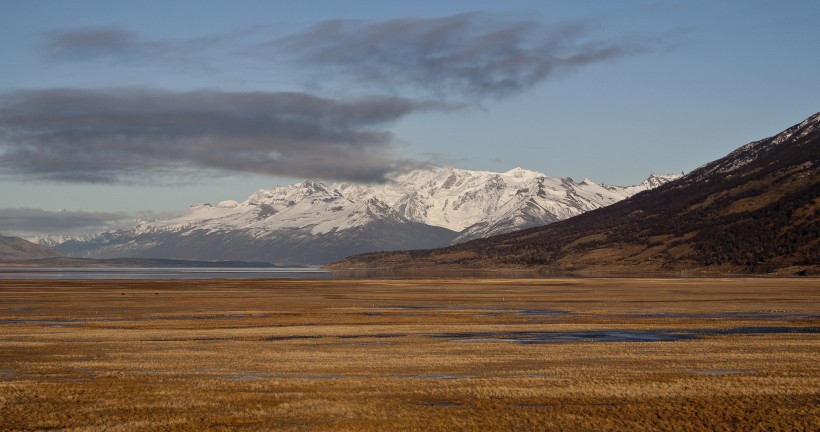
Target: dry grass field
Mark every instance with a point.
(439, 354)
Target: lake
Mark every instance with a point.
(306, 272)
(63, 273)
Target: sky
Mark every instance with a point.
(116, 110)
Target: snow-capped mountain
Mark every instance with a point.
(481, 203)
(305, 223)
(756, 210)
(311, 223)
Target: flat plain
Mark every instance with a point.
(436, 354)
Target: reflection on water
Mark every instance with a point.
(60, 273)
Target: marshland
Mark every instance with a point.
(419, 354)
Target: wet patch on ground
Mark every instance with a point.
(527, 337)
(730, 315)
(721, 371)
(543, 312)
(442, 404)
(537, 337)
(377, 336)
(544, 337)
(530, 406)
(287, 338)
(70, 322)
(431, 377)
(188, 339)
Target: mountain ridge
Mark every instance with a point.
(15, 248)
(756, 210)
(314, 223)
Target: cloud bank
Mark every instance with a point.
(112, 135)
(33, 222)
(468, 55)
(140, 134)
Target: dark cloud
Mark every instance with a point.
(114, 135)
(28, 222)
(474, 54)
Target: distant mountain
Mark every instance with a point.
(313, 223)
(17, 249)
(67, 262)
(756, 210)
(478, 204)
(306, 223)
(546, 200)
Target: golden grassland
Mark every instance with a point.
(437, 354)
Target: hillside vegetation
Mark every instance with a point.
(757, 210)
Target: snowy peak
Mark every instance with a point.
(540, 200)
(286, 196)
(520, 173)
(655, 180)
(476, 203)
(310, 221)
(345, 215)
(446, 197)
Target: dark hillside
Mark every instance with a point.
(757, 210)
(15, 248)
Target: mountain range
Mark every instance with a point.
(757, 210)
(315, 223)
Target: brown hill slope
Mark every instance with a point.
(756, 210)
(15, 249)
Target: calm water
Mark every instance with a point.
(57, 273)
(162, 273)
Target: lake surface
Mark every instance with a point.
(307, 272)
(63, 273)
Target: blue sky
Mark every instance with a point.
(110, 109)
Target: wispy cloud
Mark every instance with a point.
(119, 45)
(473, 55)
(34, 222)
(122, 134)
(140, 134)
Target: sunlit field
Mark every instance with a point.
(440, 354)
